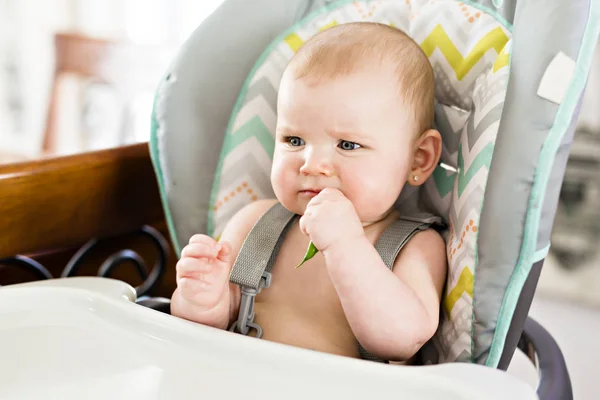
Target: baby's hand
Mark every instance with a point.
(330, 218)
(203, 271)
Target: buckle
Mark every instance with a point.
(245, 320)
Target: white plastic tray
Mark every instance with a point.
(84, 338)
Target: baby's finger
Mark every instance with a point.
(302, 224)
(200, 249)
(192, 267)
(201, 238)
(324, 195)
(329, 193)
(192, 287)
(225, 253)
(318, 199)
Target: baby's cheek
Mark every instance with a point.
(283, 181)
(277, 178)
(373, 193)
(279, 182)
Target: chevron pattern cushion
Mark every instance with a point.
(469, 50)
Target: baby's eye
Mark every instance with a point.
(294, 141)
(346, 145)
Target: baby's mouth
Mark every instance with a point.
(310, 192)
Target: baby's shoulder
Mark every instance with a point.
(255, 210)
(243, 221)
(426, 246)
(427, 238)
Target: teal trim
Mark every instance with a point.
(509, 27)
(483, 158)
(155, 158)
(562, 121)
(541, 254)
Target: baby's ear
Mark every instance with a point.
(428, 149)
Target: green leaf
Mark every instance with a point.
(310, 253)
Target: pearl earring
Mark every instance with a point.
(415, 178)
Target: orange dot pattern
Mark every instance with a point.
(470, 227)
(243, 188)
(367, 13)
(468, 12)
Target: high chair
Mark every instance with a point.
(510, 77)
(509, 81)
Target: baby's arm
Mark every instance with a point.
(204, 293)
(392, 314)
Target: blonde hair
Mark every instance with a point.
(342, 49)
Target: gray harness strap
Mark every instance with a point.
(253, 265)
(399, 233)
(255, 260)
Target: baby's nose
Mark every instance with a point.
(315, 164)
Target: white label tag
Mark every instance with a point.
(557, 78)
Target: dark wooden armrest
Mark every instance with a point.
(49, 208)
(62, 202)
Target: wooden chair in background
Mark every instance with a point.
(101, 94)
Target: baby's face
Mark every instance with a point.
(352, 133)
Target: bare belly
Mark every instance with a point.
(288, 325)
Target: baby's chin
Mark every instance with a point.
(293, 206)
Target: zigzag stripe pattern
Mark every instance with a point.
(262, 88)
(438, 39)
(454, 339)
(464, 285)
(450, 120)
(251, 166)
(238, 156)
(256, 107)
(469, 52)
(271, 71)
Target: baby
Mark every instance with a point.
(355, 111)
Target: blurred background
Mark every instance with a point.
(79, 75)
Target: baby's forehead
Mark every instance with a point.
(363, 73)
(331, 64)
